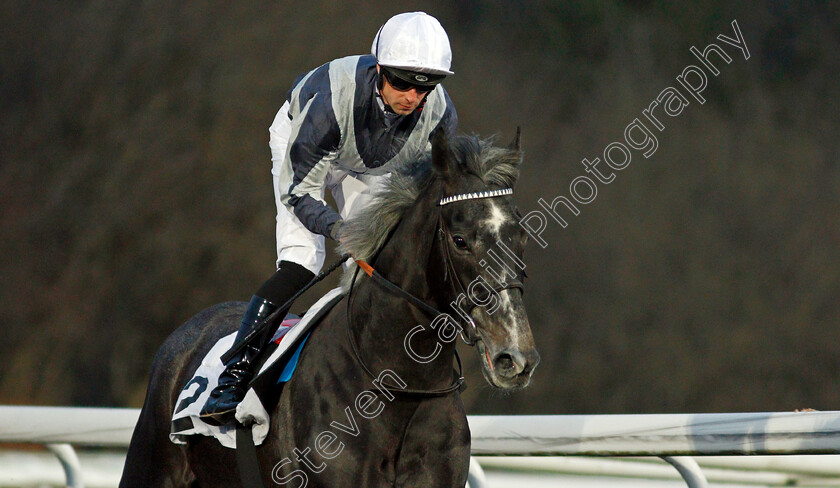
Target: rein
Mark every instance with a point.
(457, 383)
(468, 332)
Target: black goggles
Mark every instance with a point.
(402, 85)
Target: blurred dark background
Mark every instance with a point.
(135, 189)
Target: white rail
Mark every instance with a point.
(80, 426)
(657, 435)
(671, 436)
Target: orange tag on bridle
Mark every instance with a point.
(365, 267)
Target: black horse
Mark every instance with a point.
(374, 402)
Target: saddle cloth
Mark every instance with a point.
(259, 399)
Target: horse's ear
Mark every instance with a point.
(441, 152)
(514, 144)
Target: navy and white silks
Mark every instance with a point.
(334, 132)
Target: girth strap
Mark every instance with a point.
(246, 458)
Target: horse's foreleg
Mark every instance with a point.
(435, 449)
(152, 460)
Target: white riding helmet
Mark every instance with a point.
(413, 41)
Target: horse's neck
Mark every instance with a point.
(382, 320)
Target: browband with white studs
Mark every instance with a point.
(473, 196)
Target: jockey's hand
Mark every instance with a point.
(335, 231)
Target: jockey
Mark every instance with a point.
(344, 126)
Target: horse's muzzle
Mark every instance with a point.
(509, 368)
(512, 363)
(514, 367)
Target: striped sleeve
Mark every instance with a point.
(312, 147)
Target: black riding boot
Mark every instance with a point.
(233, 382)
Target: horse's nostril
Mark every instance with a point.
(504, 362)
(509, 363)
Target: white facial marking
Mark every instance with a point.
(496, 220)
(507, 306)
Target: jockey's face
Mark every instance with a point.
(401, 102)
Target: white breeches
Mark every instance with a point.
(351, 192)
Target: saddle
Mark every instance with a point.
(265, 388)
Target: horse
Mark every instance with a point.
(374, 400)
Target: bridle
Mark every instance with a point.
(468, 331)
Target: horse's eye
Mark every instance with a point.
(460, 242)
